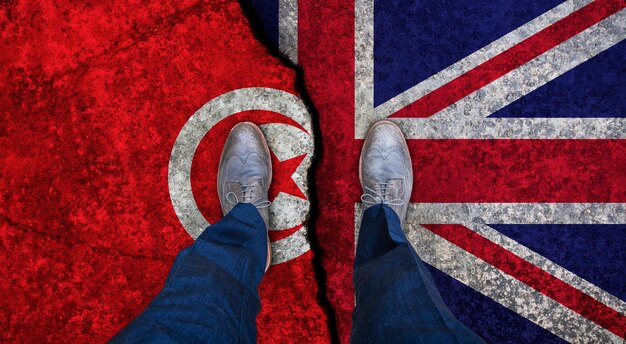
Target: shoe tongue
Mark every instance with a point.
(395, 188)
(254, 189)
(390, 188)
(257, 182)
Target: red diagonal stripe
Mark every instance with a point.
(533, 276)
(510, 59)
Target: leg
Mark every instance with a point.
(210, 294)
(396, 298)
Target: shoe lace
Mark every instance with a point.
(375, 197)
(246, 193)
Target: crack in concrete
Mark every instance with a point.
(71, 241)
(300, 86)
(27, 228)
(159, 26)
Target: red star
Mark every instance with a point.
(281, 179)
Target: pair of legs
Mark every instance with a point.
(210, 294)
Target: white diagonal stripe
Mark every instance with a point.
(467, 117)
(480, 56)
(505, 289)
(501, 287)
(548, 266)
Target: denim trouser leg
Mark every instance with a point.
(396, 298)
(211, 292)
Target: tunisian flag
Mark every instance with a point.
(92, 98)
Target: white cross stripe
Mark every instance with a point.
(288, 29)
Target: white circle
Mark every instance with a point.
(192, 133)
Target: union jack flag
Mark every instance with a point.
(515, 115)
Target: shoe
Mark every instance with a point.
(245, 172)
(385, 169)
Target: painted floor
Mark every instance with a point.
(113, 116)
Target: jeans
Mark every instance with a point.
(210, 294)
(396, 298)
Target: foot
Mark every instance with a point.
(245, 172)
(385, 169)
